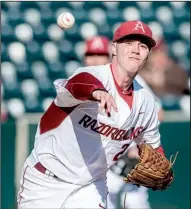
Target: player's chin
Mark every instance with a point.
(132, 73)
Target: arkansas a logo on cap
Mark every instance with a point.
(139, 26)
(97, 44)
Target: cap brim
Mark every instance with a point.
(97, 53)
(151, 41)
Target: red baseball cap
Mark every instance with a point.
(97, 45)
(135, 27)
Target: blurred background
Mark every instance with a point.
(35, 52)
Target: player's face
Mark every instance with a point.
(131, 54)
(93, 60)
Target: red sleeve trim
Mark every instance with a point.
(82, 85)
(54, 116)
(160, 150)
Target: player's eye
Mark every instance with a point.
(144, 46)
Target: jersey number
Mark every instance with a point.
(118, 155)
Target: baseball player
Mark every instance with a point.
(96, 53)
(97, 113)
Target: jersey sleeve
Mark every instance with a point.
(78, 88)
(151, 134)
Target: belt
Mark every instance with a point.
(43, 170)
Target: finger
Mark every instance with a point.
(102, 104)
(108, 108)
(113, 104)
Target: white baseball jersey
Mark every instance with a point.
(78, 143)
(143, 83)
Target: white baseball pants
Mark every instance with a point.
(38, 190)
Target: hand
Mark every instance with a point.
(106, 101)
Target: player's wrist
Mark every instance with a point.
(95, 91)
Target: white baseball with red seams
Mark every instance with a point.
(65, 20)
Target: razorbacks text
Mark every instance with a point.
(109, 131)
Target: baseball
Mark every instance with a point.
(65, 20)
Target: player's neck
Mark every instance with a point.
(121, 76)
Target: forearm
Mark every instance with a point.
(82, 85)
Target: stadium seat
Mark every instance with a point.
(179, 9)
(131, 13)
(113, 16)
(55, 33)
(29, 88)
(7, 33)
(39, 70)
(15, 107)
(70, 67)
(88, 30)
(32, 16)
(76, 5)
(110, 5)
(24, 32)
(179, 48)
(72, 34)
(56, 70)
(50, 51)
(9, 78)
(65, 47)
(144, 5)
(157, 29)
(33, 104)
(79, 49)
(15, 16)
(98, 16)
(26, 5)
(17, 52)
(184, 30)
(35, 51)
(40, 33)
(146, 10)
(4, 54)
(164, 15)
(4, 17)
(8, 70)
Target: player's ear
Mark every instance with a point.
(113, 48)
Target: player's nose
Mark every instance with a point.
(135, 47)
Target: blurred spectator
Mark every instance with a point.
(163, 74)
(97, 51)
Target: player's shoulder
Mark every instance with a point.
(145, 93)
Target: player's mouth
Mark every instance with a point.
(134, 58)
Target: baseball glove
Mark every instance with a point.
(153, 170)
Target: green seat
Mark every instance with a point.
(15, 107)
(46, 87)
(23, 70)
(33, 105)
(12, 89)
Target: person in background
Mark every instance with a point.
(163, 74)
(97, 51)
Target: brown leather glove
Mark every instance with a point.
(153, 170)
